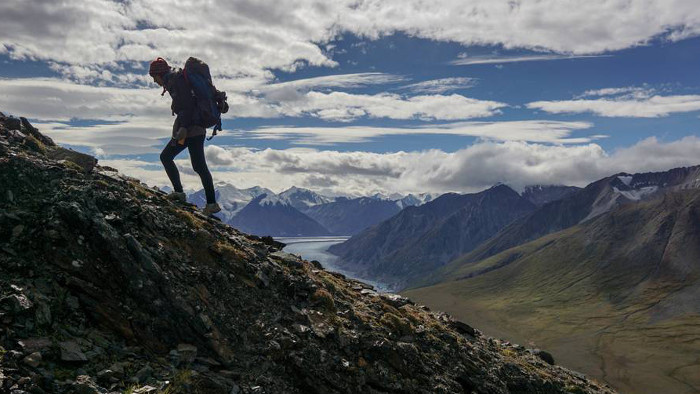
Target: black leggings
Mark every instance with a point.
(195, 145)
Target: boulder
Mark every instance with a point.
(12, 123)
(187, 353)
(545, 356)
(33, 360)
(31, 345)
(84, 161)
(84, 385)
(34, 132)
(16, 303)
(70, 351)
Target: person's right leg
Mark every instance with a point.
(199, 165)
(195, 146)
(167, 157)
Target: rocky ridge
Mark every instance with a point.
(106, 286)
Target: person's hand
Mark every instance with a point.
(181, 133)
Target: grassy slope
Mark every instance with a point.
(616, 298)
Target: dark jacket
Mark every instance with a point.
(184, 102)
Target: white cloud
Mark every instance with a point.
(342, 106)
(533, 131)
(338, 81)
(470, 169)
(318, 97)
(440, 86)
(630, 91)
(141, 117)
(53, 99)
(635, 104)
(246, 37)
(468, 61)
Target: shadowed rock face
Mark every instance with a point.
(421, 239)
(277, 218)
(543, 194)
(347, 216)
(105, 284)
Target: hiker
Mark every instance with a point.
(188, 132)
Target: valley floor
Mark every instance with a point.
(618, 347)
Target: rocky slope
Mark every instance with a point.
(615, 296)
(106, 286)
(543, 194)
(421, 239)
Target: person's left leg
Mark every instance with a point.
(167, 157)
(195, 145)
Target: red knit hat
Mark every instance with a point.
(158, 66)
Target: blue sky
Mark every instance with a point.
(382, 97)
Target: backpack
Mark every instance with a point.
(210, 101)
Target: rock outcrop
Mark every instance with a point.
(107, 286)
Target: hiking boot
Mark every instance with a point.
(211, 209)
(177, 196)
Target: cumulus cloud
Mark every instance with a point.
(470, 169)
(576, 27)
(623, 102)
(245, 37)
(54, 99)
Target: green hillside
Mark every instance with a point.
(616, 297)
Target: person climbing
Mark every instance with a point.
(188, 132)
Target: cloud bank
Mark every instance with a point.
(631, 102)
(248, 38)
(470, 169)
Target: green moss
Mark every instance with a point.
(35, 145)
(130, 389)
(323, 298)
(574, 389)
(187, 217)
(72, 165)
(396, 324)
(102, 183)
(63, 374)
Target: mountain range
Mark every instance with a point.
(615, 295)
(418, 240)
(302, 212)
(595, 199)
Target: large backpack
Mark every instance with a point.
(210, 102)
